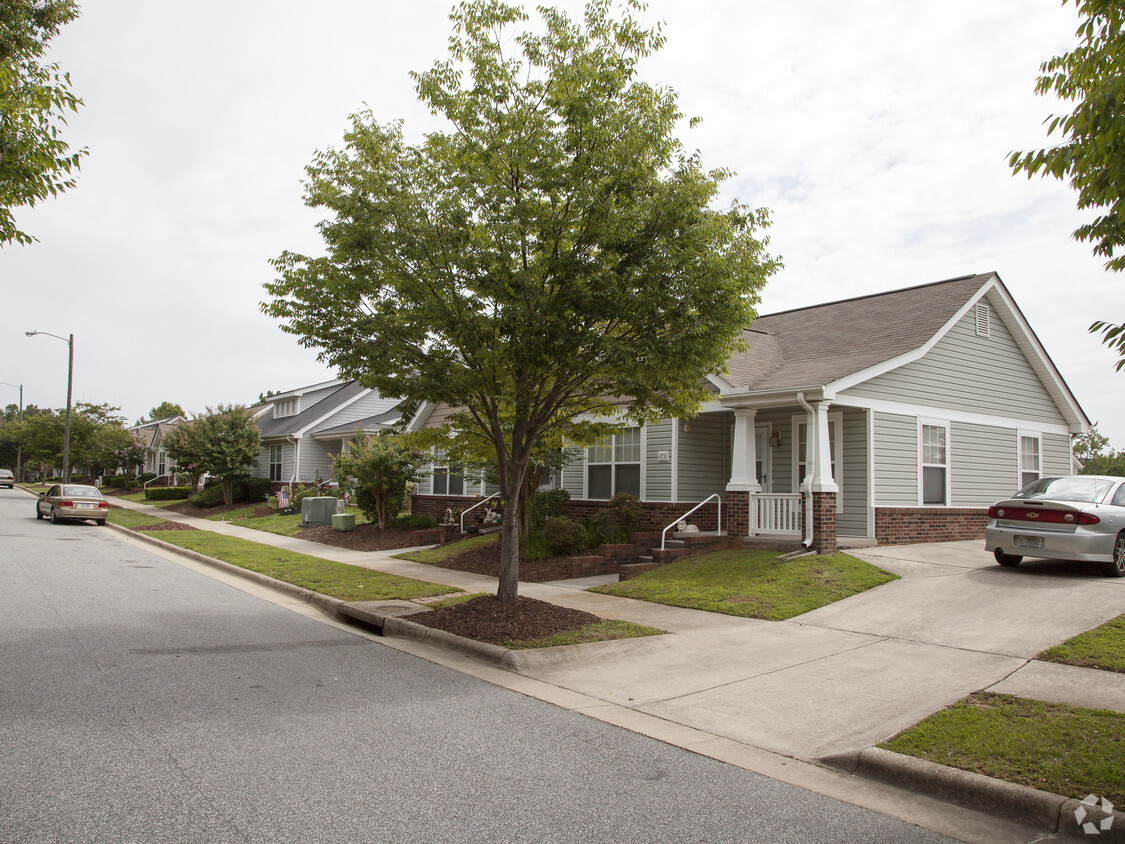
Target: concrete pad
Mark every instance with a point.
(1055, 683)
(660, 668)
(841, 703)
(1018, 612)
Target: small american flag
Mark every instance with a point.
(282, 499)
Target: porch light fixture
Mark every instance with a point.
(775, 438)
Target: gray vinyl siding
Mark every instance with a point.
(658, 473)
(896, 460)
(438, 415)
(316, 461)
(371, 404)
(969, 373)
(262, 468)
(983, 464)
(703, 462)
(574, 474)
(852, 519)
(1056, 454)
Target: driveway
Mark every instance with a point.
(846, 676)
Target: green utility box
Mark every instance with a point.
(343, 521)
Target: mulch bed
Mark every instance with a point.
(486, 560)
(168, 525)
(486, 619)
(366, 537)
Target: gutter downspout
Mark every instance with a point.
(296, 460)
(809, 461)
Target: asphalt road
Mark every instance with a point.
(141, 701)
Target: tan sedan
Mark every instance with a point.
(71, 501)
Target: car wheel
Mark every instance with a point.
(38, 512)
(1117, 567)
(1007, 559)
(55, 520)
(100, 522)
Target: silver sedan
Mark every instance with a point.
(1074, 517)
(63, 502)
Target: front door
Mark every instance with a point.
(762, 456)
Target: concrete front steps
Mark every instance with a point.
(644, 553)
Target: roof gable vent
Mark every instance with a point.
(984, 320)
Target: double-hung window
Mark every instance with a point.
(935, 464)
(447, 480)
(275, 462)
(1029, 459)
(614, 465)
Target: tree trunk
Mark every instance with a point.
(507, 590)
(228, 491)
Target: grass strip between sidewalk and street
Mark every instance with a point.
(752, 584)
(1103, 647)
(338, 580)
(1054, 747)
(602, 631)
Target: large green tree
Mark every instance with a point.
(377, 469)
(551, 249)
(164, 410)
(1090, 153)
(35, 161)
(187, 450)
(230, 444)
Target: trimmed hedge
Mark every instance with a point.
(244, 490)
(166, 493)
(412, 521)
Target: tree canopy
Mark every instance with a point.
(1090, 154)
(229, 442)
(550, 255)
(35, 162)
(164, 410)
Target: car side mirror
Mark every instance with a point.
(43, 494)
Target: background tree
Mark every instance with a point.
(1092, 449)
(1091, 444)
(1091, 151)
(230, 444)
(164, 410)
(35, 162)
(553, 249)
(378, 468)
(187, 451)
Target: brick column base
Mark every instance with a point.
(737, 512)
(824, 522)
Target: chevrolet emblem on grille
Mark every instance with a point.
(1033, 515)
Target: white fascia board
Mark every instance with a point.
(944, 413)
(300, 391)
(720, 383)
(1040, 361)
(762, 399)
(418, 420)
(886, 366)
(332, 412)
(265, 408)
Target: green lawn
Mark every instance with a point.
(1103, 647)
(752, 584)
(433, 556)
(339, 580)
(1058, 748)
(130, 518)
(600, 631)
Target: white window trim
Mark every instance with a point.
(612, 447)
(936, 423)
(443, 463)
(286, 407)
(836, 418)
(280, 462)
(1031, 435)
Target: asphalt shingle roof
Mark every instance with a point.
(811, 347)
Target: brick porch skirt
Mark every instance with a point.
(907, 525)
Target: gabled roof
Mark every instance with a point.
(837, 345)
(372, 423)
(813, 347)
(298, 423)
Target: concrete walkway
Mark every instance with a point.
(829, 682)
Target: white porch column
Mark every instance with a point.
(820, 450)
(743, 476)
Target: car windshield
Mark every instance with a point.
(82, 491)
(1086, 490)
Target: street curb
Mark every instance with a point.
(387, 625)
(1044, 809)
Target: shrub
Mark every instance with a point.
(546, 505)
(209, 496)
(254, 489)
(564, 535)
(147, 476)
(628, 510)
(412, 521)
(166, 493)
(534, 547)
(608, 527)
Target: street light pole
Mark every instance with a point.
(69, 384)
(19, 442)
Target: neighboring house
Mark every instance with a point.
(302, 429)
(152, 434)
(896, 417)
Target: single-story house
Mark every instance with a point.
(895, 417)
(151, 435)
(302, 429)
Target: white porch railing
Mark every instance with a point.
(775, 514)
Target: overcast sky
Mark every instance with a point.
(876, 131)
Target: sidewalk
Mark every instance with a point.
(826, 685)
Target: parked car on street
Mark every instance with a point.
(71, 501)
(7, 478)
(1074, 517)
